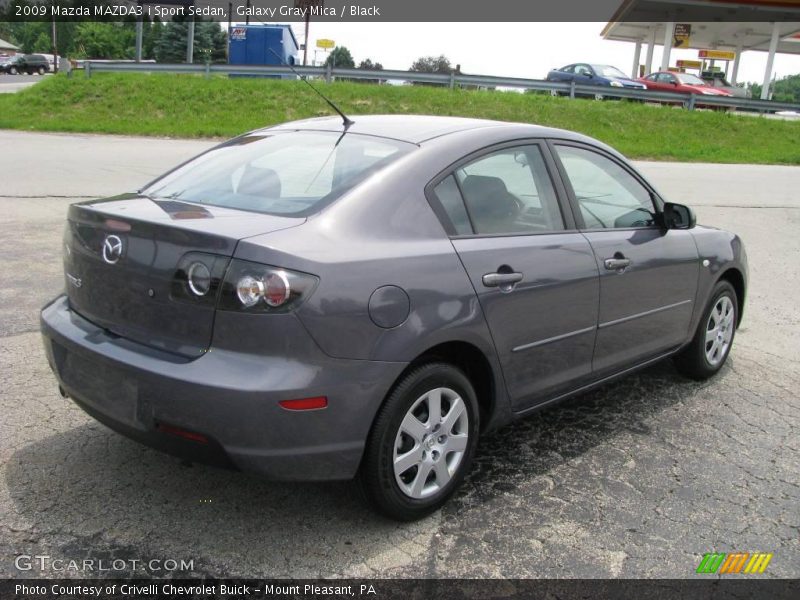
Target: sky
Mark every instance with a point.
(507, 49)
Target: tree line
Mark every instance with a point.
(163, 42)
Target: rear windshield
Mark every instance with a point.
(282, 173)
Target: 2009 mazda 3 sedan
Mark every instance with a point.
(314, 301)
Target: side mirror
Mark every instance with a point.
(678, 216)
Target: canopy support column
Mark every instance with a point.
(637, 53)
(773, 47)
(669, 29)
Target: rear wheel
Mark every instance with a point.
(712, 342)
(422, 443)
(13, 70)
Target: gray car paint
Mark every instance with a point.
(540, 341)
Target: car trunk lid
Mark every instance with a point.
(123, 255)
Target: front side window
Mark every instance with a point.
(510, 192)
(283, 173)
(608, 196)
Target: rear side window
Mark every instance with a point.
(283, 173)
(510, 192)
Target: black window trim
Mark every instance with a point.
(562, 199)
(658, 202)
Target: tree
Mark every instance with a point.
(786, 89)
(150, 37)
(367, 64)
(432, 64)
(340, 57)
(94, 39)
(209, 41)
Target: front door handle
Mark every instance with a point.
(504, 281)
(618, 263)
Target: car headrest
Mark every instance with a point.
(488, 196)
(261, 182)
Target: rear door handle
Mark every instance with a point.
(617, 264)
(504, 281)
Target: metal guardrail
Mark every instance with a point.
(450, 80)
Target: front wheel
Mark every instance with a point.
(422, 443)
(41, 71)
(712, 342)
(13, 71)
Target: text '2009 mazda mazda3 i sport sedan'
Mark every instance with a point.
(314, 301)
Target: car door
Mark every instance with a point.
(564, 74)
(648, 274)
(534, 273)
(584, 75)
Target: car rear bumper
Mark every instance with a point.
(229, 399)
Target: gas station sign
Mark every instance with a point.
(681, 35)
(716, 54)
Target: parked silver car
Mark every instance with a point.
(318, 301)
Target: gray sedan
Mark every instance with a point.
(321, 301)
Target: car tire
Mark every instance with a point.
(555, 93)
(712, 342)
(41, 71)
(599, 97)
(12, 71)
(438, 448)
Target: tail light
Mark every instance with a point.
(198, 278)
(254, 287)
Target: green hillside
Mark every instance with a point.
(191, 106)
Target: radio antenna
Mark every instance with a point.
(345, 121)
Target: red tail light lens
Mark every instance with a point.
(305, 403)
(253, 287)
(277, 289)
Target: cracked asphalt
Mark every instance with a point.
(637, 479)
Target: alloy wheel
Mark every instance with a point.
(719, 331)
(430, 443)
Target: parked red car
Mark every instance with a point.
(681, 83)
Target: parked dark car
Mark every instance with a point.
(318, 302)
(589, 74)
(25, 63)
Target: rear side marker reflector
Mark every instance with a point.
(305, 403)
(183, 433)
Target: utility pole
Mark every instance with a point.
(305, 45)
(190, 41)
(55, 41)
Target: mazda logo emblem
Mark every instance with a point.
(112, 249)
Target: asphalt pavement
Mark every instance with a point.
(10, 84)
(637, 479)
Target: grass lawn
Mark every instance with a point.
(191, 106)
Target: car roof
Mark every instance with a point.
(417, 129)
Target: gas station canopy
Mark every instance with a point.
(771, 26)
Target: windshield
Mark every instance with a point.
(609, 71)
(282, 173)
(690, 79)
